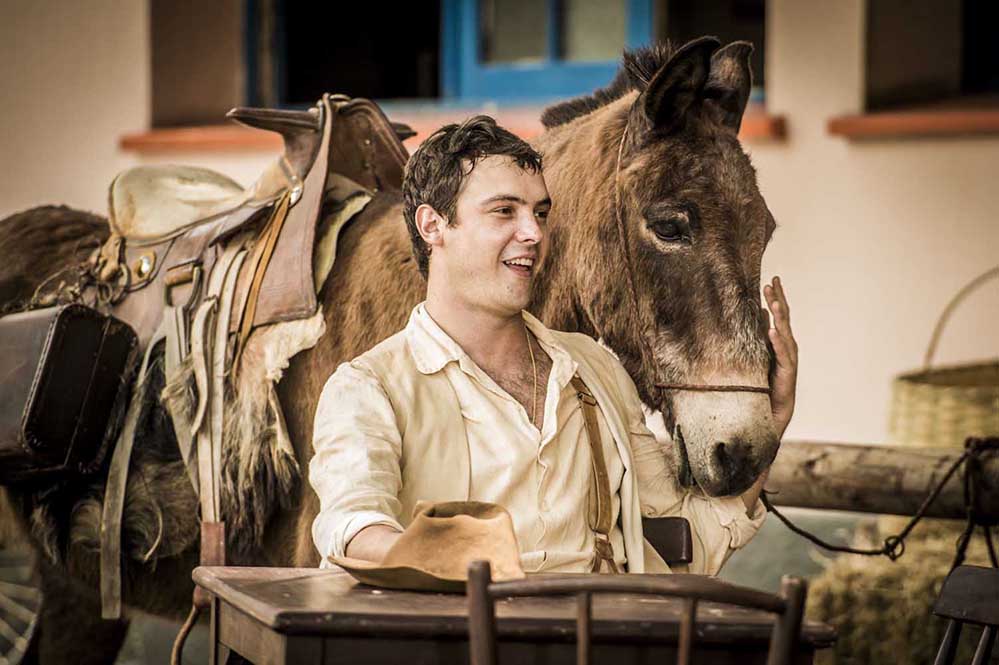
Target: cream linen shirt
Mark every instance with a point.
(541, 477)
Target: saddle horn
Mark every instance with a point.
(281, 121)
(402, 130)
(301, 131)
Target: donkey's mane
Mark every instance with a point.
(638, 66)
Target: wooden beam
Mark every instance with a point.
(208, 138)
(524, 122)
(876, 479)
(936, 122)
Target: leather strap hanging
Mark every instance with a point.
(600, 506)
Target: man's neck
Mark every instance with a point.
(490, 340)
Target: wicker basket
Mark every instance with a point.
(942, 406)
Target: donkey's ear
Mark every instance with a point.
(677, 89)
(729, 83)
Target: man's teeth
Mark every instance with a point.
(527, 263)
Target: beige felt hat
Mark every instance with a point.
(434, 551)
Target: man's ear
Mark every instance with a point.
(430, 224)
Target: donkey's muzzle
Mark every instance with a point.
(735, 468)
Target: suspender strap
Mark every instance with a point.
(600, 513)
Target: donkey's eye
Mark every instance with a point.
(669, 230)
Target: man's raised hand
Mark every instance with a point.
(784, 378)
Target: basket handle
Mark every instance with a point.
(948, 310)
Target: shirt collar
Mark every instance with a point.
(432, 348)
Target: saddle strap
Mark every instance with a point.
(209, 341)
(209, 346)
(259, 261)
(599, 507)
(114, 490)
(199, 360)
(177, 348)
(219, 358)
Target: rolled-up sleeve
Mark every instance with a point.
(355, 469)
(718, 525)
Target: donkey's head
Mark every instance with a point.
(681, 228)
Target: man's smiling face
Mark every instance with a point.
(489, 253)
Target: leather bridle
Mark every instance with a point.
(661, 386)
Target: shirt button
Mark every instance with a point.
(648, 511)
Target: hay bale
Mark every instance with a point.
(883, 609)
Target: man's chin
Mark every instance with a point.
(517, 291)
(513, 306)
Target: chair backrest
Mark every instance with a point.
(670, 537)
(788, 605)
(970, 594)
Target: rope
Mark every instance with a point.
(74, 284)
(185, 630)
(894, 546)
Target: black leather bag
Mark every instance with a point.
(65, 374)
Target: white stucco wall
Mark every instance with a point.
(874, 237)
(74, 76)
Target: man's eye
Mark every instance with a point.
(542, 214)
(505, 210)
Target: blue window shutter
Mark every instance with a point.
(464, 77)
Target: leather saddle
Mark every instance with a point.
(197, 262)
(169, 223)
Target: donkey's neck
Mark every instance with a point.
(579, 165)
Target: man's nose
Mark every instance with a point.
(528, 230)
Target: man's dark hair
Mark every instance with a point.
(440, 165)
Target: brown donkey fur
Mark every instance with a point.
(683, 217)
(698, 294)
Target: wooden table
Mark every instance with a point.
(307, 615)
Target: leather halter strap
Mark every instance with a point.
(630, 273)
(713, 388)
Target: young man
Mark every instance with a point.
(473, 399)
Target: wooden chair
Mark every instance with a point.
(670, 537)
(970, 594)
(482, 595)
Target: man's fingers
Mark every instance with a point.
(769, 293)
(779, 285)
(786, 341)
(781, 352)
(777, 303)
(782, 323)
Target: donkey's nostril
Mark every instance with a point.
(730, 459)
(721, 455)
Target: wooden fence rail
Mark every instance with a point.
(877, 479)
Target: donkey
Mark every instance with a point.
(657, 234)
